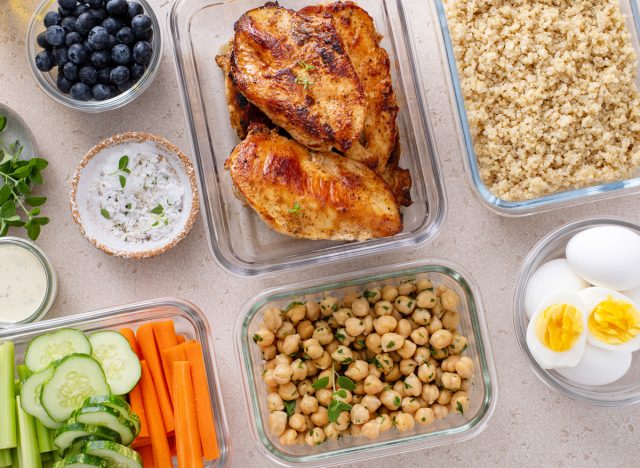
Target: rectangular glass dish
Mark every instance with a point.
(238, 239)
(631, 9)
(189, 321)
(455, 428)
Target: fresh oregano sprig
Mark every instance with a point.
(18, 207)
(336, 406)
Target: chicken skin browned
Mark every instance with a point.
(294, 69)
(309, 194)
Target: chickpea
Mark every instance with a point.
(441, 339)
(371, 402)
(422, 284)
(421, 355)
(438, 380)
(434, 325)
(427, 372)
(313, 310)
(343, 421)
(368, 324)
(269, 380)
(406, 288)
(305, 329)
(341, 315)
(464, 367)
(323, 334)
(324, 361)
(320, 417)
(291, 344)
(342, 354)
(289, 437)
(439, 354)
(420, 336)
(404, 328)
(357, 370)
(277, 422)
(359, 414)
(384, 324)
(315, 437)
(354, 326)
(331, 347)
(407, 350)
(466, 385)
(405, 305)
(308, 404)
(450, 300)
(426, 300)
(373, 295)
(391, 399)
(372, 385)
(412, 385)
(272, 319)
(449, 364)
(410, 404)
(458, 345)
(324, 396)
(360, 307)
(331, 432)
(407, 366)
(437, 310)
(373, 370)
(392, 341)
(445, 397)
(298, 422)
(269, 352)
(459, 402)
(312, 348)
(355, 430)
(296, 313)
(440, 411)
(430, 393)
(424, 416)
(389, 293)
(343, 395)
(373, 342)
(421, 316)
(282, 373)
(348, 298)
(288, 391)
(359, 390)
(274, 402)
(299, 370)
(285, 329)
(384, 422)
(371, 429)
(383, 308)
(328, 305)
(450, 320)
(311, 368)
(404, 422)
(264, 337)
(394, 374)
(398, 386)
(383, 362)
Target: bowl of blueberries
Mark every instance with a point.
(94, 55)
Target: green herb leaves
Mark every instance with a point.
(346, 383)
(459, 408)
(292, 305)
(290, 407)
(303, 78)
(105, 214)
(17, 178)
(335, 408)
(123, 170)
(368, 294)
(159, 216)
(296, 208)
(320, 383)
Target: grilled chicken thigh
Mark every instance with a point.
(309, 194)
(294, 69)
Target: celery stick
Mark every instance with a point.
(15, 456)
(28, 447)
(8, 437)
(45, 438)
(23, 372)
(5, 458)
(46, 456)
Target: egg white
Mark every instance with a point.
(592, 297)
(547, 358)
(598, 366)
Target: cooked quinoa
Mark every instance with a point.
(550, 93)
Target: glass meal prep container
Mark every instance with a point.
(631, 9)
(189, 321)
(623, 392)
(454, 428)
(238, 239)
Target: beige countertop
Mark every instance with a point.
(532, 425)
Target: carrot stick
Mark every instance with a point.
(169, 356)
(187, 434)
(135, 395)
(151, 355)
(131, 338)
(181, 339)
(147, 456)
(165, 333)
(141, 442)
(206, 423)
(161, 453)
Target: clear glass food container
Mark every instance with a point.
(189, 321)
(631, 9)
(625, 391)
(239, 240)
(455, 428)
(47, 80)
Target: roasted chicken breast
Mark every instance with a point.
(294, 69)
(309, 194)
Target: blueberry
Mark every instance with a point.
(81, 92)
(112, 41)
(124, 86)
(142, 53)
(98, 15)
(70, 71)
(126, 36)
(88, 75)
(64, 85)
(144, 35)
(101, 92)
(55, 35)
(77, 11)
(117, 7)
(73, 38)
(119, 75)
(84, 23)
(42, 41)
(60, 54)
(103, 75)
(136, 71)
(111, 24)
(45, 61)
(78, 54)
(95, 3)
(51, 18)
(98, 38)
(68, 4)
(69, 24)
(101, 58)
(64, 12)
(134, 9)
(141, 23)
(121, 54)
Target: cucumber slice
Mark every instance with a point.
(81, 460)
(50, 347)
(117, 455)
(30, 397)
(69, 433)
(75, 378)
(121, 365)
(119, 404)
(77, 445)
(103, 416)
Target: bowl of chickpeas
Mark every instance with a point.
(366, 364)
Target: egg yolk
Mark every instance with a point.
(559, 326)
(614, 321)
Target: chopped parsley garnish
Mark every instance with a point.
(369, 294)
(459, 407)
(105, 214)
(257, 338)
(296, 208)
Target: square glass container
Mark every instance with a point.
(455, 428)
(189, 321)
(631, 10)
(238, 239)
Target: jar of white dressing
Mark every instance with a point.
(28, 283)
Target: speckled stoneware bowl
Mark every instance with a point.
(86, 216)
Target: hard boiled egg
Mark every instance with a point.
(551, 278)
(598, 366)
(613, 320)
(556, 334)
(607, 256)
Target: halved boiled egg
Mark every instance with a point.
(613, 319)
(556, 334)
(598, 366)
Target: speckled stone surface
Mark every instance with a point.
(532, 425)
